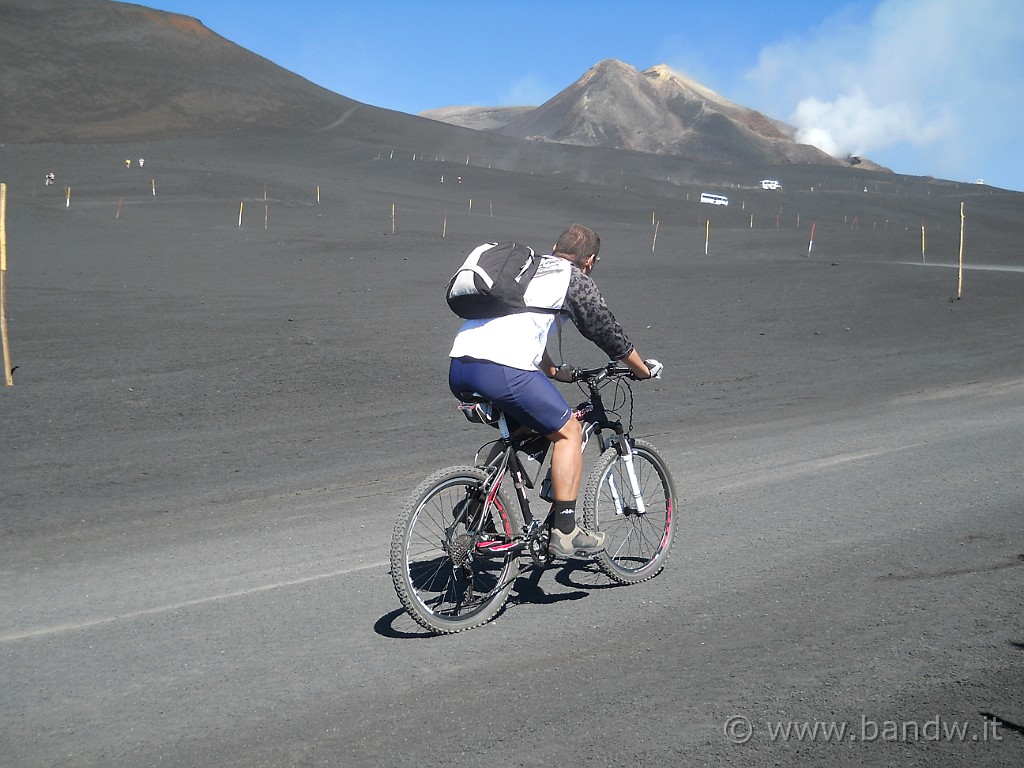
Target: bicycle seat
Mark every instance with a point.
(472, 397)
(478, 409)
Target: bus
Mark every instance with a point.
(707, 197)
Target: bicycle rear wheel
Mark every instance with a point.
(636, 544)
(441, 579)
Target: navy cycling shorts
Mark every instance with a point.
(526, 397)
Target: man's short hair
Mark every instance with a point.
(579, 243)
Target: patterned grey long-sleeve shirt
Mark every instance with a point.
(590, 314)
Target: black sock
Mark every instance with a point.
(563, 515)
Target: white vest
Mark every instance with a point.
(518, 340)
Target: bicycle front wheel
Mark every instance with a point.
(441, 579)
(637, 542)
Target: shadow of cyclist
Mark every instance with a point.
(527, 589)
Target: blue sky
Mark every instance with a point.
(925, 87)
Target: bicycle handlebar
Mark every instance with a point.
(595, 375)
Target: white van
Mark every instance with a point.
(707, 197)
(770, 184)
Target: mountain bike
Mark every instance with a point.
(458, 542)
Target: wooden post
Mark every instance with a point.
(118, 214)
(8, 375)
(67, 193)
(444, 228)
(655, 241)
(707, 236)
(318, 194)
(810, 244)
(153, 184)
(960, 277)
(241, 207)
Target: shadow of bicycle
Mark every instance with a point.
(581, 576)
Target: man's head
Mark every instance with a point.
(580, 245)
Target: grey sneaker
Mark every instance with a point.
(579, 543)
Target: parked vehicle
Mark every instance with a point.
(771, 184)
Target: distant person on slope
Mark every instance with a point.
(506, 360)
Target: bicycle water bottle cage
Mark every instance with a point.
(479, 411)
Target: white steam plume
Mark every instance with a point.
(927, 87)
(851, 125)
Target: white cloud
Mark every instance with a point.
(936, 81)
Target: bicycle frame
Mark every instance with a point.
(595, 421)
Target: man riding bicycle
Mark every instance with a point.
(505, 359)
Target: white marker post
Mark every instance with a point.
(960, 278)
(9, 377)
